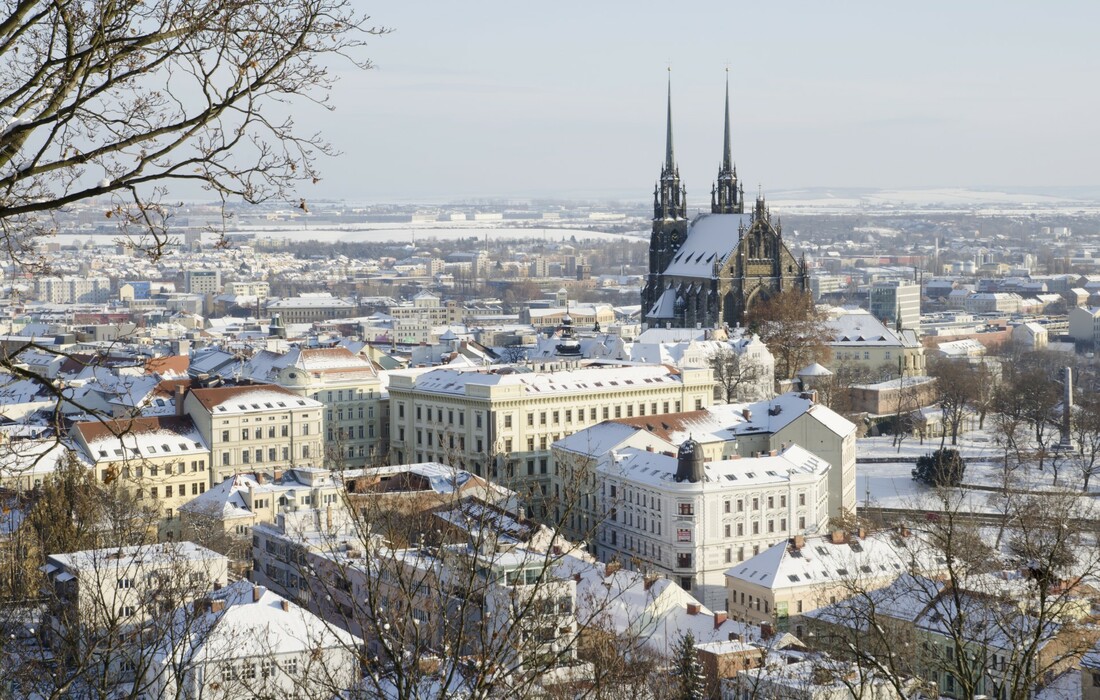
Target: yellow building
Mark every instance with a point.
(163, 460)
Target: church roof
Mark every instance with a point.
(711, 238)
(665, 306)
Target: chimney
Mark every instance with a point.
(720, 618)
(180, 391)
(766, 630)
(217, 585)
(285, 605)
(838, 537)
(611, 568)
(861, 532)
(277, 475)
(694, 608)
(648, 581)
(217, 605)
(746, 414)
(799, 541)
(903, 531)
(649, 448)
(577, 577)
(257, 593)
(772, 453)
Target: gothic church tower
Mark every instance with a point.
(727, 196)
(669, 216)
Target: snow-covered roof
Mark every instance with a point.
(657, 469)
(253, 623)
(711, 238)
(585, 380)
(880, 556)
(245, 399)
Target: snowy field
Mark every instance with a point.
(890, 484)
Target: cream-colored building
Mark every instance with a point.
(802, 574)
(723, 432)
(689, 518)
(310, 308)
(117, 587)
(861, 340)
(500, 421)
(356, 423)
(161, 460)
(257, 426)
(237, 504)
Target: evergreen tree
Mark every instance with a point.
(944, 467)
(691, 683)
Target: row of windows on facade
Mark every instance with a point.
(258, 433)
(350, 414)
(349, 434)
(246, 671)
(272, 455)
(685, 534)
(197, 488)
(352, 395)
(683, 559)
(138, 472)
(552, 417)
(688, 508)
(855, 355)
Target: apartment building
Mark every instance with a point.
(257, 426)
(690, 518)
(72, 290)
(722, 432)
(500, 421)
(311, 308)
(162, 460)
(356, 422)
(239, 503)
(117, 588)
(244, 641)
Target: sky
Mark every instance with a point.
(497, 100)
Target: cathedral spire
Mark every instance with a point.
(670, 161)
(726, 197)
(727, 152)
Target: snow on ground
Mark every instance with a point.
(890, 484)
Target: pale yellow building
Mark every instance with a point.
(257, 427)
(500, 421)
(162, 460)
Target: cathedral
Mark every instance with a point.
(708, 272)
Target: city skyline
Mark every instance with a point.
(569, 101)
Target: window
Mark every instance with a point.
(125, 583)
(683, 560)
(477, 420)
(168, 491)
(244, 433)
(508, 420)
(530, 419)
(782, 501)
(740, 529)
(726, 506)
(771, 501)
(687, 509)
(195, 489)
(801, 499)
(802, 522)
(225, 436)
(225, 459)
(683, 534)
(740, 505)
(728, 529)
(285, 432)
(756, 504)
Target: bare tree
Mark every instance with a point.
(792, 327)
(1086, 435)
(120, 100)
(1000, 622)
(732, 373)
(956, 388)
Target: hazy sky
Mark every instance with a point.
(566, 98)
